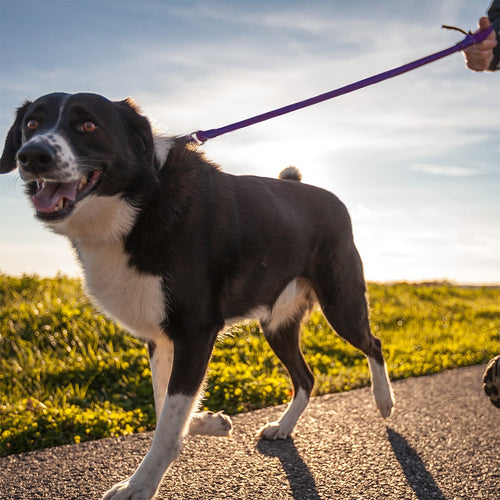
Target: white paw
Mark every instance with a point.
(381, 387)
(211, 424)
(273, 431)
(385, 403)
(125, 490)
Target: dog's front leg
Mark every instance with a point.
(161, 354)
(190, 360)
(207, 423)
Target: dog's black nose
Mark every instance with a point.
(36, 158)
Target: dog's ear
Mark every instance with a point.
(139, 127)
(13, 141)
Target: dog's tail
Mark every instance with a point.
(290, 174)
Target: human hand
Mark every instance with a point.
(478, 57)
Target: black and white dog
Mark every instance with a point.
(175, 249)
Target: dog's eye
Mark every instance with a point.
(88, 127)
(32, 124)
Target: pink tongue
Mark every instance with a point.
(51, 193)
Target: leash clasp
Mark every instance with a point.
(195, 138)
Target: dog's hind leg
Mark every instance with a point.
(341, 294)
(285, 342)
(161, 358)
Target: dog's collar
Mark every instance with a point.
(163, 145)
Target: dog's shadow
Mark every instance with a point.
(298, 474)
(418, 477)
(303, 485)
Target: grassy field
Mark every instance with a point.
(67, 374)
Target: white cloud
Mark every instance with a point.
(447, 170)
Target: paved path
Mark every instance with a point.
(442, 443)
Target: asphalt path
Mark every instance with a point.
(443, 442)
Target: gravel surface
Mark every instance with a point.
(443, 442)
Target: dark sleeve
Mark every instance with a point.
(494, 16)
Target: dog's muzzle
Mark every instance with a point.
(36, 159)
(54, 191)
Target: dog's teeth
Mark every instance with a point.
(59, 206)
(83, 183)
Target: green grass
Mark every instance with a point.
(67, 374)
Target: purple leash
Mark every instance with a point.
(201, 136)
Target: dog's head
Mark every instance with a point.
(68, 147)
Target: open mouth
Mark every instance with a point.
(55, 200)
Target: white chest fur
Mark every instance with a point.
(134, 299)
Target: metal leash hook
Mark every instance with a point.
(194, 138)
(202, 136)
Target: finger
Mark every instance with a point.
(484, 23)
(488, 44)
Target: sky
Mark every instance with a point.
(416, 159)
